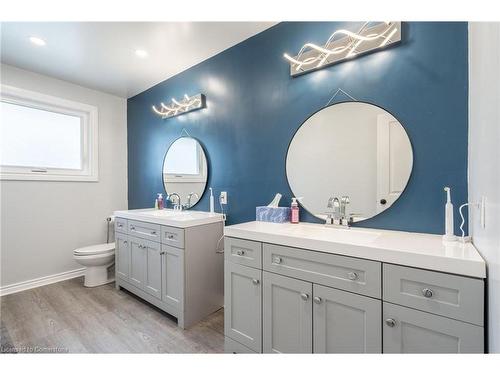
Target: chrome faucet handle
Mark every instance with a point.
(188, 205)
(177, 203)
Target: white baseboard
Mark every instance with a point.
(45, 280)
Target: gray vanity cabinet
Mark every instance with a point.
(122, 256)
(243, 303)
(345, 322)
(176, 269)
(287, 314)
(411, 331)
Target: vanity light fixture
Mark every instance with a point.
(344, 44)
(187, 104)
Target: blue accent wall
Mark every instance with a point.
(254, 107)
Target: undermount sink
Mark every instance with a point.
(333, 233)
(176, 218)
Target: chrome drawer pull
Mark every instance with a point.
(390, 322)
(125, 242)
(277, 260)
(304, 296)
(153, 233)
(119, 225)
(240, 252)
(352, 276)
(317, 300)
(255, 282)
(170, 236)
(132, 228)
(427, 293)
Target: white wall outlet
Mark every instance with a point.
(223, 197)
(482, 212)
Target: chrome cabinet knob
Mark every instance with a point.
(170, 236)
(255, 282)
(318, 300)
(352, 276)
(428, 293)
(119, 225)
(390, 322)
(162, 253)
(132, 228)
(304, 296)
(277, 260)
(240, 252)
(125, 242)
(153, 233)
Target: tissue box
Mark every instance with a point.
(273, 214)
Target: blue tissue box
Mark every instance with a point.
(273, 214)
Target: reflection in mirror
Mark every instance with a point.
(185, 171)
(351, 149)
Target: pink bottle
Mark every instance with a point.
(295, 211)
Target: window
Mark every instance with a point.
(46, 138)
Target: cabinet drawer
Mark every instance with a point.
(248, 253)
(351, 274)
(453, 296)
(172, 236)
(144, 230)
(121, 225)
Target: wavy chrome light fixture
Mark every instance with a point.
(187, 104)
(344, 44)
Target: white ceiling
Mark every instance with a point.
(102, 55)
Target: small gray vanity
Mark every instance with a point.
(170, 259)
(308, 288)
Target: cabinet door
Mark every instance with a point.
(137, 262)
(122, 256)
(345, 322)
(152, 283)
(287, 315)
(412, 331)
(242, 305)
(173, 276)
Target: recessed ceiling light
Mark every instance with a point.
(37, 41)
(141, 53)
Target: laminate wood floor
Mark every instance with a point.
(66, 317)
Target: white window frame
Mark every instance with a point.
(90, 140)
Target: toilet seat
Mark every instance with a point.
(100, 249)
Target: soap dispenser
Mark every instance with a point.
(295, 211)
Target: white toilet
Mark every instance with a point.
(97, 259)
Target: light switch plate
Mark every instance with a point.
(223, 197)
(482, 212)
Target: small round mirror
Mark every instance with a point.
(185, 171)
(353, 151)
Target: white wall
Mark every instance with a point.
(43, 221)
(484, 158)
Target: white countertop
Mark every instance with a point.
(405, 248)
(173, 218)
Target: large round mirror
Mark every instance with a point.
(185, 171)
(353, 151)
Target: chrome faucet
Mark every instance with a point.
(338, 216)
(177, 203)
(188, 205)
